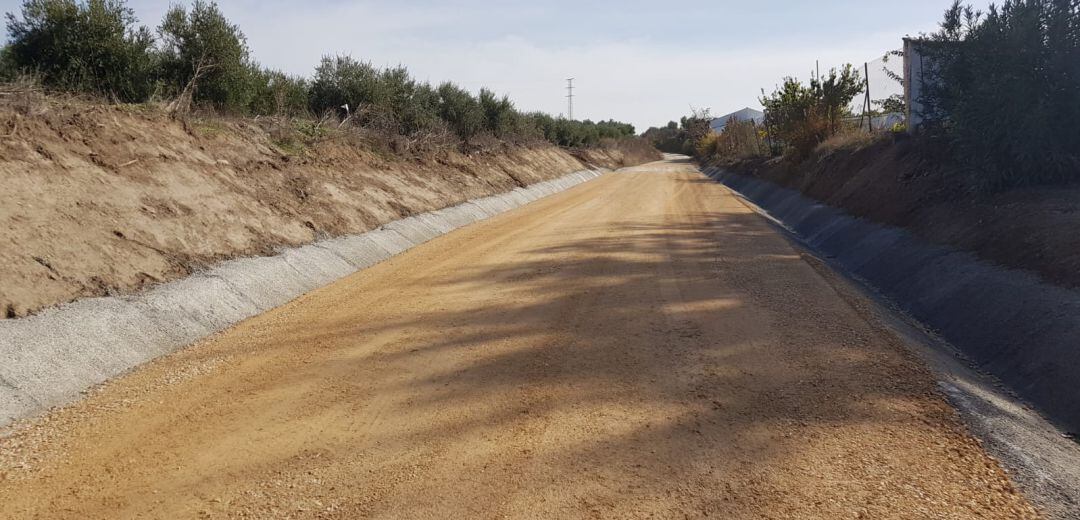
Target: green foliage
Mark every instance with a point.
(668, 138)
(388, 100)
(461, 111)
(697, 125)
(84, 47)
(800, 116)
(277, 93)
(340, 81)
(1004, 89)
(9, 71)
(204, 59)
(738, 140)
(576, 134)
(208, 56)
(500, 117)
(893, 104)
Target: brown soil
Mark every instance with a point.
(902, 184)
(100, 199)
(641, 346)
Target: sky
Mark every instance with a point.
(641, 62)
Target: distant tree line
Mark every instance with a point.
(1004, 90)
(197, 58)
(681, 137)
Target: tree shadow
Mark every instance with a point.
(643, 361)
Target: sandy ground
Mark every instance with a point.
(641, 346)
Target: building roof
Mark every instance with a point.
(746, 114)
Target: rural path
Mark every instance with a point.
(640, 346)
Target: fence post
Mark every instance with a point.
(866, 104)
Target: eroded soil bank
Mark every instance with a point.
(103, 199)
(904, 184)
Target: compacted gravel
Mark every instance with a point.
(640, 346)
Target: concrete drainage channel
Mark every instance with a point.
(1008, 322)
(50, 358)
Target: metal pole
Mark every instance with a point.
(867, 106)
(570, 98)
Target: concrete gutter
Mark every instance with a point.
(50, 358)
(1006, 322)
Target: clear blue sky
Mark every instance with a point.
(641, 62)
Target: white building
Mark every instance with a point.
(746, 114)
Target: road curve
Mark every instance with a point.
(640, 346)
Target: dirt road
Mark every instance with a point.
(641, 346)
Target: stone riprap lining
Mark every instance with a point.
(1009, 323)
(50, 358)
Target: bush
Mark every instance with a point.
(387, 100)
(460, 110)
(84, 47)
(739, 140)
(499, 114)
(573, 134)
(9, 71)
(278, 94)
(340, 80)
(1004, 89)
(799, 117)
(205, 59)
(669, 138)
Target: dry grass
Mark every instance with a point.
(848, 140)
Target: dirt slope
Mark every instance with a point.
(903, 184)
(639, 346)
(101, 199)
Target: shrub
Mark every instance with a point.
(205, 58)
(415, 105)
(706, 146)
(739, 140)
(340, 81)
(669, 138)
(1004, 89)
(499, 114)
(460, 110)
(799, 116)
(85, 47)
(277, 93)
(386, 100)
(573, 134)
(9, 71)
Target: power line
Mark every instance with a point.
(570, 98)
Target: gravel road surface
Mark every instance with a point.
(640, 346)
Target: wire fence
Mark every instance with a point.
(880, 105)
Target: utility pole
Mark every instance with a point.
(570, 98)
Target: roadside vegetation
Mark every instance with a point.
(1002, 105)
(197, 61)
(682, 137)
(994, 169)
(798, 118)
(1005, 92)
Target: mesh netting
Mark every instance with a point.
(884, 77)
